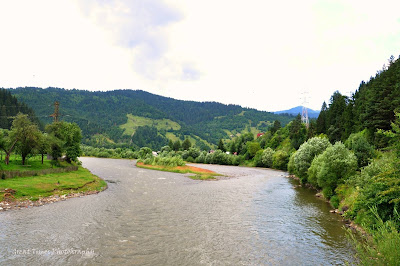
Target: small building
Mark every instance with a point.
(260, 134)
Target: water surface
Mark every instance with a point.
(147, 217)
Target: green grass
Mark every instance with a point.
(33, 163)
(35, 187)
(137, 121)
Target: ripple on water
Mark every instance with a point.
(160, 218)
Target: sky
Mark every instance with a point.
(268, 55)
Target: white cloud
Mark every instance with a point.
(258, 53)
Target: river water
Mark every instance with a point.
(147, 217)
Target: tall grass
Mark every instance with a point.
(382, 246)
(170, 161)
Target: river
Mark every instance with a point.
(146, 217)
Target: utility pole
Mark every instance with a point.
(56, 114)
(304, 112)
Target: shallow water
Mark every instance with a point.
(147, 217)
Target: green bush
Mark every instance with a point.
(358, 143)
(267, 157)
(303, 157)
(335, 201)
(257, 159)
(280, 159)
(252, 148)
(335, 165)
(202, 157)
(144, 152)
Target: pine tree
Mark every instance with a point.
(221, 146)
(186, 144)
(3, 117)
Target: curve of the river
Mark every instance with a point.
(147, 217)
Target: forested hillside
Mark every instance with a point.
(10, 107)
(104, 116)
(371, 107)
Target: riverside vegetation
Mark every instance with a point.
(351, 153)
(28, 178)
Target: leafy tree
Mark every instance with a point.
(252, 148)
(56, 147)
(7, 144)
(70, 136)
(25, 134)
(280, 159)
(304, 156)
(335, 165)
(267, 157)
(358, 143)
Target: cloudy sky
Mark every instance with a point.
(256, 53)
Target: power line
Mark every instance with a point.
(304, 112)
(56, 113)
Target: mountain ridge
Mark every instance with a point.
(103, 112)
(298, 110)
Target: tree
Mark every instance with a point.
(358, 143)
(275, 127)
(332, 167)
(303, 157)
(267, 157)
(70, 136)
(171, 144)
(177, 145)
(3, 117)
(221, 146)
(321, 120)
(43, 145)
(297, 132)
(25, 135)
(6, 144)
(252, 148)
(186, 144)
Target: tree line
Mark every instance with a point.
(102, 113)
(26, 139)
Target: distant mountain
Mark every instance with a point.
(138, 118)
(298, 110)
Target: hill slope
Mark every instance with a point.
(371, 107)
(110, 114)
(10, 107)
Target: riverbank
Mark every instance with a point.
(348, 223)
(26, 192)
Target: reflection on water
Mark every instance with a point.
(159, 218)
